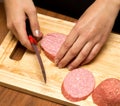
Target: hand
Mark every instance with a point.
(17, 11)
(88, 35)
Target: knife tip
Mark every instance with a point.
(45, 80)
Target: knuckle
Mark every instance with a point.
(66, 45)
(35, 26)
(32, 11)
(73, 52)
(16, 22)
(9, 25)
(83, 54)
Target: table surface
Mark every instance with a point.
(9, 97)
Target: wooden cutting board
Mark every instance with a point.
(25, 75)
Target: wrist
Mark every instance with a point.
(117, 2)
(110, 5)
(113, 3)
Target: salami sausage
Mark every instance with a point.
(51, 43)
(78, 84)
(107, 93)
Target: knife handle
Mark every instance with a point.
(29, 33)
(32, 40)
(28, 28)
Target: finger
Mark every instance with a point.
(81, 56)
(38, 38)
(32, 15)
(92, 54)
(20, 27)
(14, 32)
(72, 52)
(70, 39)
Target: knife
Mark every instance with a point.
(34, 45)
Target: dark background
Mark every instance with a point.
(72, 8)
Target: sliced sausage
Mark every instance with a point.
(107, 93)
(78, 84)
(51, 43)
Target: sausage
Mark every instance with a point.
(107, 93)
(51, 44)
(78, 84)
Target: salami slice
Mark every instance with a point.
(78, 84)
(107, 93)
(51, 44)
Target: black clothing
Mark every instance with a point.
(72, 8)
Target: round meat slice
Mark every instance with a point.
(78, 84)
(107, 93)
(51, 44)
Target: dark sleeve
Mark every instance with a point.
(72, 8)
(116, 27)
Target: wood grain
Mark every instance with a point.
(19, 98)
(26, 77)
(34, 74)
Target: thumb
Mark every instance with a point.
(34, 24)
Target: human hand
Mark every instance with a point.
(88, 35)
(17, 11)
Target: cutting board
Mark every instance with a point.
(25, 74)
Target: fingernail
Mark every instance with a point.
(70, 67)
(56, 61)
(37, 33)
(60, 65)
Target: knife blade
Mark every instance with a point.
(34, 45)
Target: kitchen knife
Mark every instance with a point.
(34, 45)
